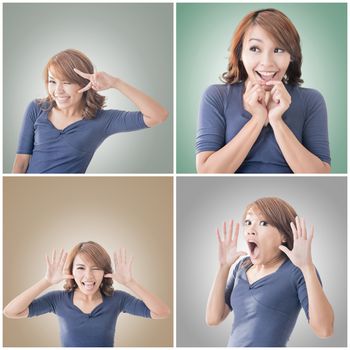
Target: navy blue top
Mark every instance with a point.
(69, 150)
(265, 312)
(222, 116)
(95, 329)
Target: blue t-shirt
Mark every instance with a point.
(265, 312)
(95, 329)
(222, 116)
(69, 150)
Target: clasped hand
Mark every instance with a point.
(268, 105)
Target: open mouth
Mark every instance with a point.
(253, 249)
(88, 285)
(62, 99)
(266, 76)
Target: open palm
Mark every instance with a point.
(122, 267)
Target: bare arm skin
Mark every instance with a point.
(21, 163)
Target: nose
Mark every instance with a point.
(267, 59)
(59, 87)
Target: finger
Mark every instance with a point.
(115, 257)
(285, 250)
(131, 259)
(303, 228)
(82, 74)
(63, 259)
(294, 230)
(119, 256)
(311, 233)
(218, 235)
(108, 275)
(86, 88)
(274, 83)
(230, 228)
(235, 237)
(54, 256)
(297, 221)
(47, 259)
(60, 256)
(248, 86)
(124, 256)
(68, 277)
(224, 230)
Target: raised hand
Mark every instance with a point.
(279, 102)
(98, 81)
(254, 100)
(228, 253)
(122, 268)
(300, 255)
(55, 266)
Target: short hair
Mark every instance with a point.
(281, 28)
(98, 255)
(62, 65)
(278, 213)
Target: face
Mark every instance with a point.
(64, 93)
(262, 58)
(87, 276)
(262, 239)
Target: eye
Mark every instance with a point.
(52, 82)
(254, 49)
(80, 268)
(67, 83)
(263, 223)
(247, 222)
(278, 50)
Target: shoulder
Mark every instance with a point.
(221, 91)
(309, 97)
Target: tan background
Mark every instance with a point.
(58, 212)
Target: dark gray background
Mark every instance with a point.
(131, 41)
(204, 203)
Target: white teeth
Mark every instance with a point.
(267, 73)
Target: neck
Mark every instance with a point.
(88, 298)
(276, 261)
(71, 112)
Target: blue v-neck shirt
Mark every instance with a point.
(70, 150)
(96, 329)
(265, 312)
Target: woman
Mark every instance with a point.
(61, 132)
(267, 289)
(261, 120)
(88, 307)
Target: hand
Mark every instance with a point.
(300, 256)
(122, 268)
(254, 100)
(279, 102)
(98, 81)
(228, 253)
(54, 267)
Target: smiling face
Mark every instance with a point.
(262, 238)
(262, 57)
(64, 92)
(87, 275)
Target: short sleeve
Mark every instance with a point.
(302, 291)
(315, 132)
(26, 138)
(44, 304)
(132, 305)
(211, 123)
(122, 121)
(231, 283)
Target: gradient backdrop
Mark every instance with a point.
(41, 214)
(131, 41)
(203, 36)
(204, 203)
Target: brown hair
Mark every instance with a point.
(63, 64)
(278, 214)
(284, 33)
(98, 256)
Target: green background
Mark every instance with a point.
(203, 37)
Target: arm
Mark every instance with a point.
(19, 306)
(321, 317)
(152, 111)
(298, 157)
(21, 163)
(217, 309)
(229, 158)
(122, 274)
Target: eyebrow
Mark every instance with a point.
(255, 39)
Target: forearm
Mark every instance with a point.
(216, 307)
(151, 109)
(157, 307)
(20, 164)
(321, 317)
(18, 306)
(299, 159)
(229, 158)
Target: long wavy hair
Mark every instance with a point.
(98, 255)
(283, 31)
(62, 65)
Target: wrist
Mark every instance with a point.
(129, 283)
(276, 122)
(46, 281)
(116, 83)
(307, 269)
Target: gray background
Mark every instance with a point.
(131, 41)
(204, 203)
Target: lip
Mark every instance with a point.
(266, 75)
